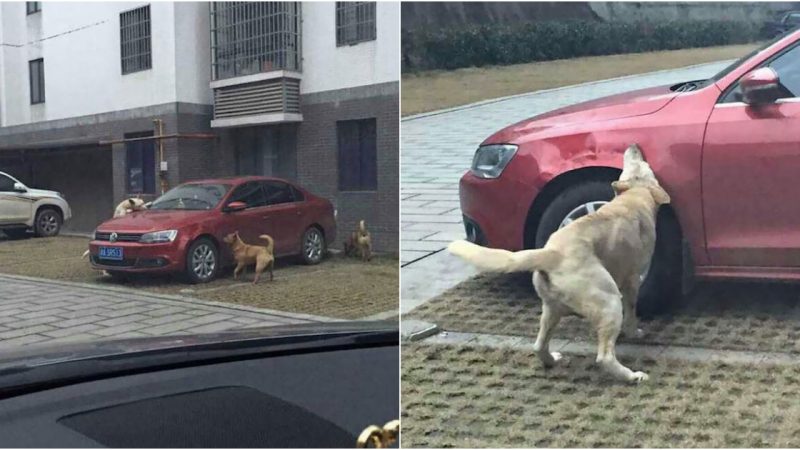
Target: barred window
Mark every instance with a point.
(33, 7)
(134, 31)
(254, 37)
(355, 22)
(36, 78)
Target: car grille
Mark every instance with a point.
(121, 237)
(114, 263)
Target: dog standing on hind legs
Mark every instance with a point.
(245, 254)
(591, 267)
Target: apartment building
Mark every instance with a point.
(102, 101)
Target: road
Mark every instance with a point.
(438, 148)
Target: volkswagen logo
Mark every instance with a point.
(113, 237)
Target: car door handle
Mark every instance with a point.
(265, 217)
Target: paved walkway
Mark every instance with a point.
(43, 311)
(438, 148)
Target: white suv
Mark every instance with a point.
(23, 209)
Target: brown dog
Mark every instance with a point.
(245, 255)
(359, 242)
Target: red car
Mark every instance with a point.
(727, 149)
(182, 230)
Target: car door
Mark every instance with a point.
(15, 207)
(249, 222)
(283, 217)
(751, 175)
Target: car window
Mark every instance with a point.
(793, 19)
(298, 196)
(6, 183)
(251, 194)
(787, 66)
(278, 192)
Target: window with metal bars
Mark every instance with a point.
(134, 38)
(358, 155)
(33, 7)
(36, 78)
(355, 22)
(254, 37)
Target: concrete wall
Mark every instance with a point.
(449, 14)
(328, 67)
(80, 44)
(755, 12)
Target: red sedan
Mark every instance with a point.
(727, 149)
(182, 230)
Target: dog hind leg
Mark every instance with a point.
(547, 324)
(608, 327)
(630, 293)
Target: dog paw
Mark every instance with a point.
(638, 377)
(556, 356)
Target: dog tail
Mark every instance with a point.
(270, 242)
(495, 260)
(85, 254)
(362, 226)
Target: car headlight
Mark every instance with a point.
(94, 235)
(490, 160)
(159, 236)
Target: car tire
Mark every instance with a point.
(202, 261)
(313, 246)
(47, 222)
(16, 233)
(661, 288)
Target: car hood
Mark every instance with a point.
(42, 193)
(620, 106)
(152, 220)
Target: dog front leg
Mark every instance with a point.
(630, 323)
(547, 325)
(237, 271)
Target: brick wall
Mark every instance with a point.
(317, 159)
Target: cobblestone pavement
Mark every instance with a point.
(40, 311)
(437, 150)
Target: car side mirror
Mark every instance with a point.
(235, 206)
(19, 187)
(760, 87)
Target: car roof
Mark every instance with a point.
(237, 180)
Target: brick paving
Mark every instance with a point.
(437, 150)
(36, 311)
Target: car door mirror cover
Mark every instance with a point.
(760, 87)
(19, 187)
(235, 206)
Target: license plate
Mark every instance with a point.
(113, 253)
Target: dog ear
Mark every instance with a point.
(659, 195)
(131, 202)
(620, 186)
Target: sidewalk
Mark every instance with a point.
(42, 311)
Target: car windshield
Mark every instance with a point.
(720, 75)
(196, 196)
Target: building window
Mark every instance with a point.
(254, 37)
(140, 164)
(355, 22)
(134, 38)
(33, 7)
(358, 163)
(36, 78)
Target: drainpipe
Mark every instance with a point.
(162, 164)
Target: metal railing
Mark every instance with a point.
(254, 37)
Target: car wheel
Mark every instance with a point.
(661, 281)
(314, 246)
(202, 261)
(16, 233)
(48, 222)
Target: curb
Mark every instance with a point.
(545, 91)
(173, 298)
